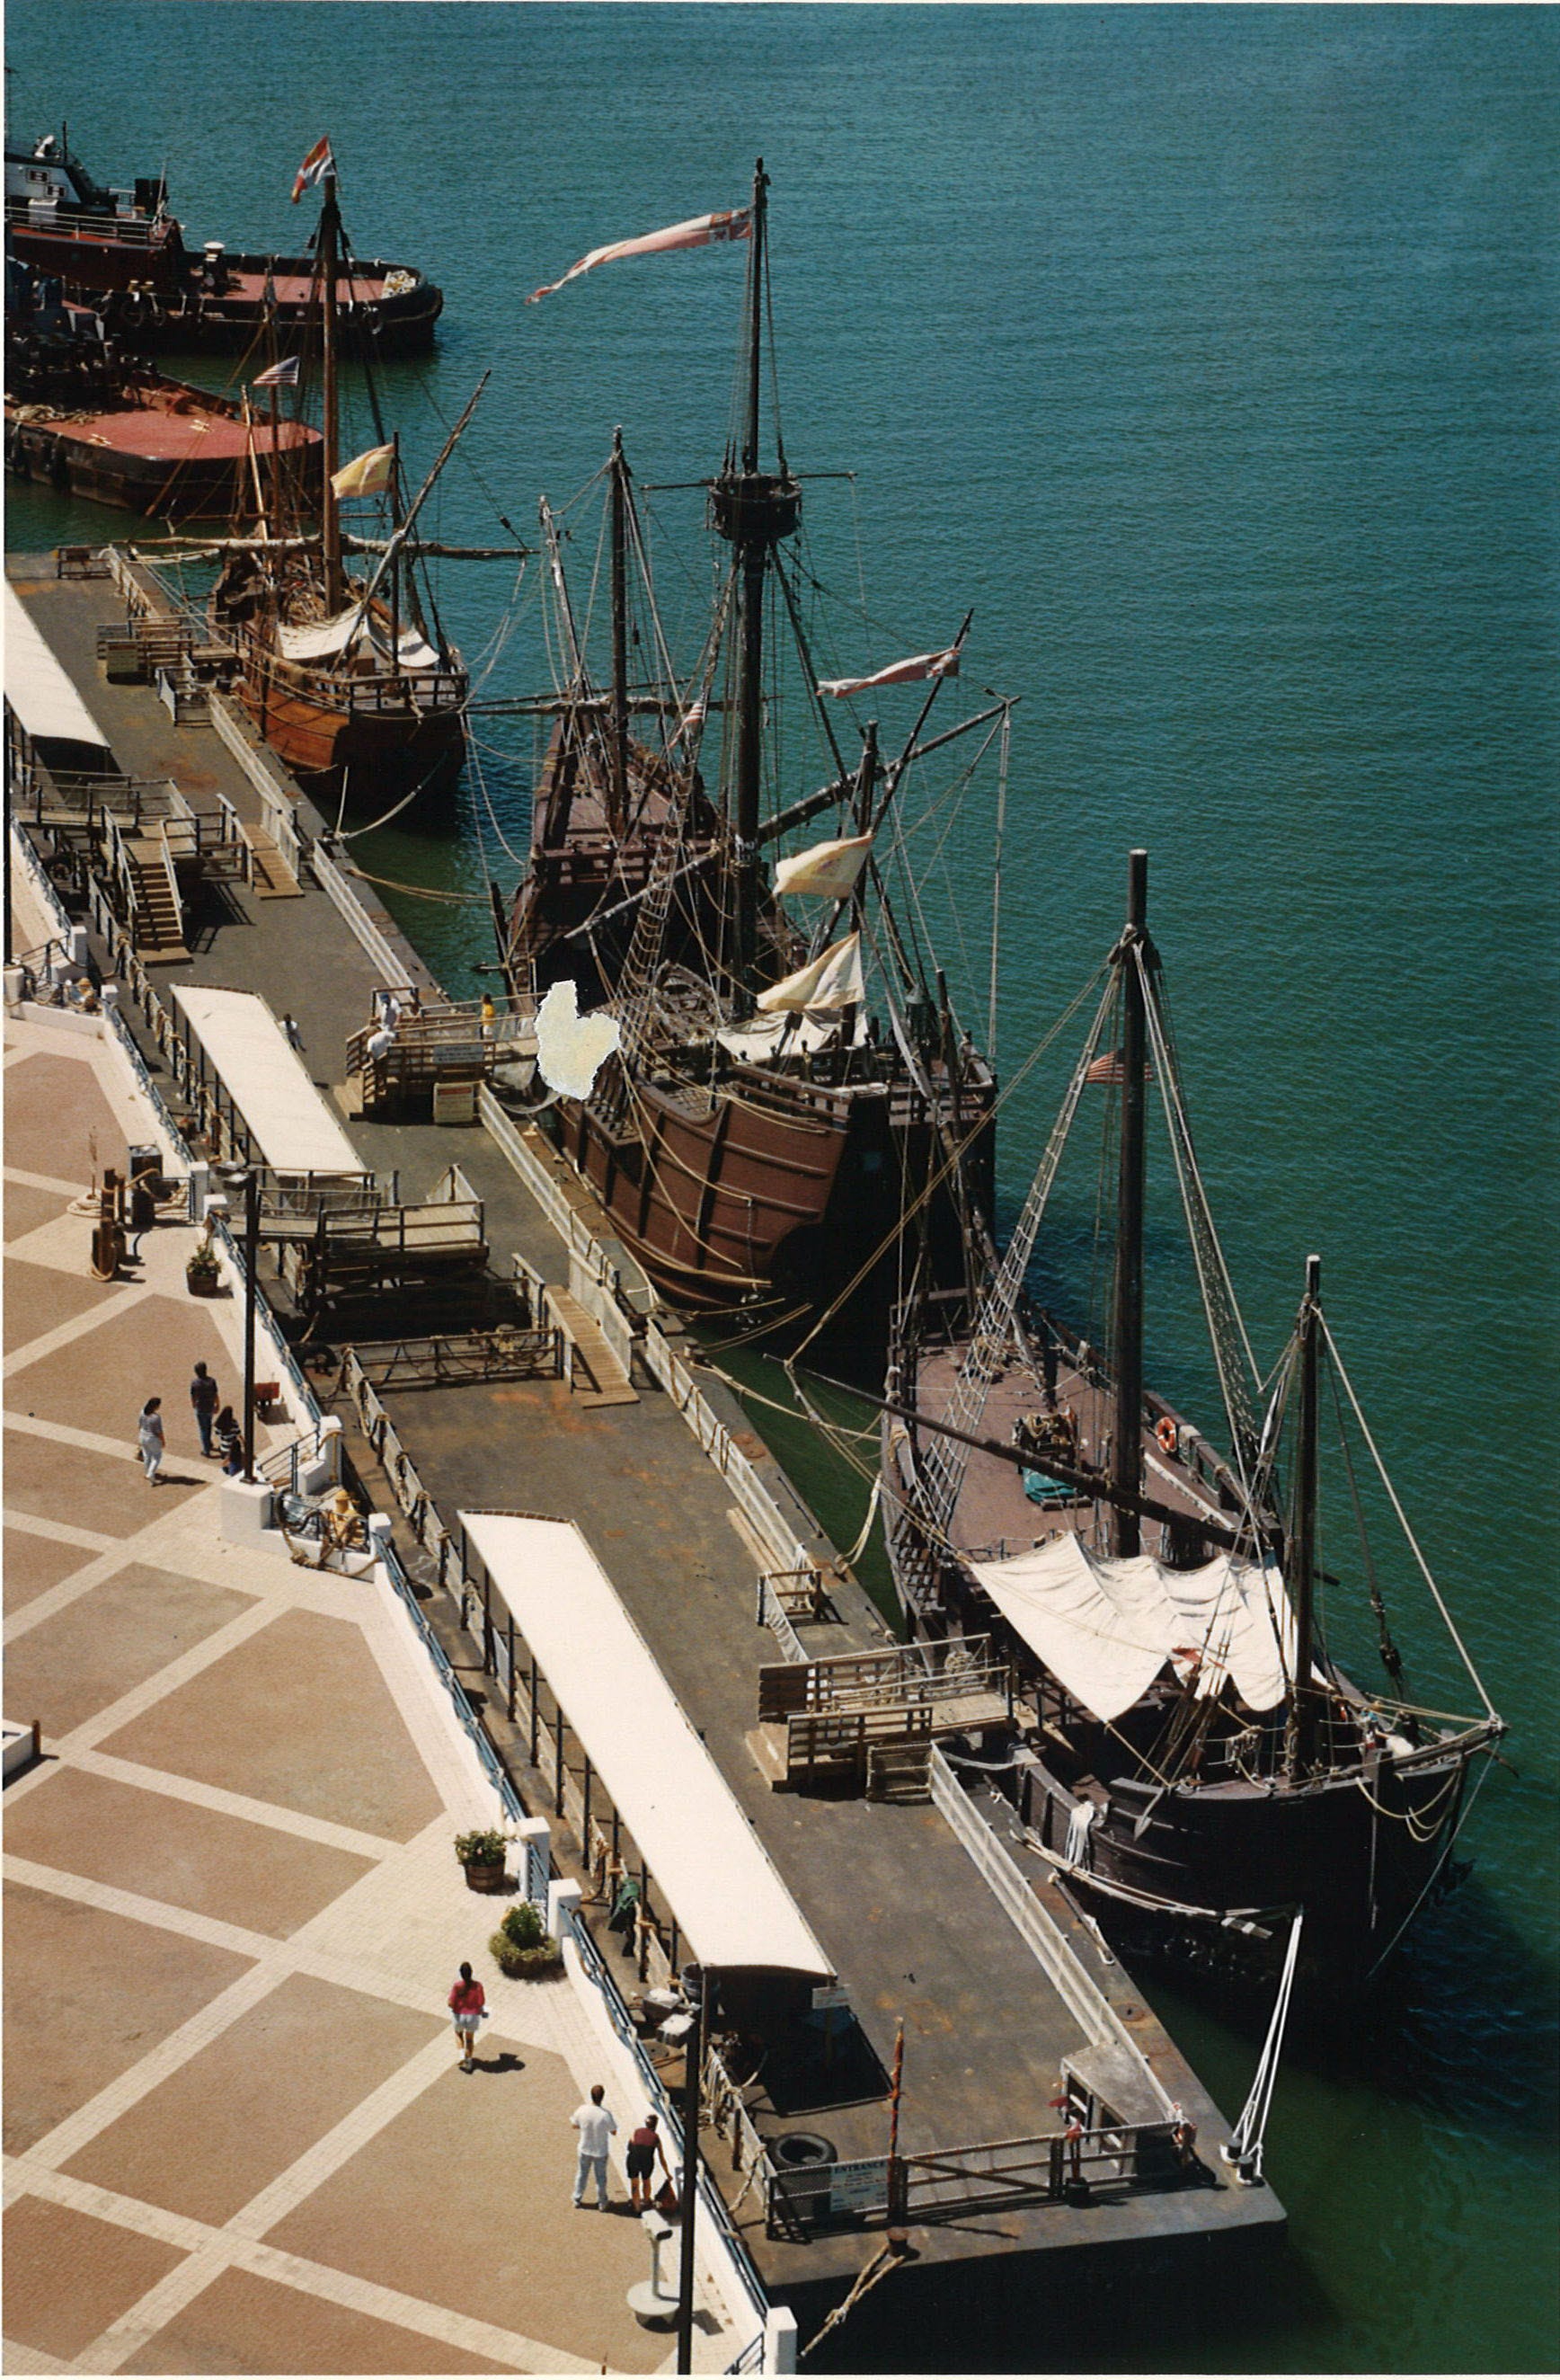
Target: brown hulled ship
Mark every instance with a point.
(125, 252)
(86, 418)
(796, 1122)
(348, 679)
(1197, 1768)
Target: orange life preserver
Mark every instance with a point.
(1167, 1433)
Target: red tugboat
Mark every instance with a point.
(84, 416)
(123, 249)
(796, 1124)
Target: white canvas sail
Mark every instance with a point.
(828, 870)
(833, 980)
(1107, 1627)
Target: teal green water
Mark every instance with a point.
(1210, 354)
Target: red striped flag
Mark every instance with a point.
(315, 166)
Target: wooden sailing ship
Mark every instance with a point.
(350, 681)
(772, 1137)
(1198, 1766)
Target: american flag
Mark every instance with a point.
(1112, 1068)
(281, 375)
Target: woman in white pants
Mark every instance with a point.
(152, 1443)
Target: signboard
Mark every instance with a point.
(831, 1996)
(853, 2189)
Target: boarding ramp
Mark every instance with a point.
(857, 1717)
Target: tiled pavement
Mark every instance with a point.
(236, 2138)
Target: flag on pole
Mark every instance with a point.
(835, 980)
(830, 869)
(1112, 1069)
(701, 231)
(366, 475)
(315, 166)
(945, 664)
(281, 375)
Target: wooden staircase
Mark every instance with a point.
(157, 926)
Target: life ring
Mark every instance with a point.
(130, 312)
(1167, 1434)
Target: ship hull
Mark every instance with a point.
(178, 467)
(375, 756)
(159, 298)
(756, 1201)
(1359, 1851)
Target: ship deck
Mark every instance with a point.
(995, 1518)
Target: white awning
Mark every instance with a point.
(38, 690)
(268, 1082)
(1107, 1629)
(690, 1829)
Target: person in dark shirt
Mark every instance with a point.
(203, 1397)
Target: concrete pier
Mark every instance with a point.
(996, 2011)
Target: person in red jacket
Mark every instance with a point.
(468, 2006)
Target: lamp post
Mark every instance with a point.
(693, 2076)
(247, 1179)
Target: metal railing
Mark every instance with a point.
(267, 1326)
(513, 1806)
(710, 2202)
(944, 2185)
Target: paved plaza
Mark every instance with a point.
(236, 2136)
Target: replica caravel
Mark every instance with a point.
(1200, 1769)
(795, 1121)
(351, 682)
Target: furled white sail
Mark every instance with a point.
(1107, 1627)
(322, 639)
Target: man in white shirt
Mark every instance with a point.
(595, 2124)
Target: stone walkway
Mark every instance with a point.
(236, 2137)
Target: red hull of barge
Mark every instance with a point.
(184, 463)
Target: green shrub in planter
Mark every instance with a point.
(483, 1848)
(522, 1945)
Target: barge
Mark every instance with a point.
(123, 249)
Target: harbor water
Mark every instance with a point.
(1210, 354)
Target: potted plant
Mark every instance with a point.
(201, 1272)
(522, 1946)
(482, 1853)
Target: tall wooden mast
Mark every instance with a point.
(1301, 1564)
(617, 773)
(1127, 1451)
(330, 242)
(754, 509)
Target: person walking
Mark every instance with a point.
(153, 1440)
(644, 2146)
(203, 1397)
(468, 2006)
(595, 2124)
(230, 1441)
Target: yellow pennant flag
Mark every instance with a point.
(366, 475)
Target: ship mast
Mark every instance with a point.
(617, 775)
(1127, 1452)
(1302, 1534)
(330, 518)
(753, 509)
